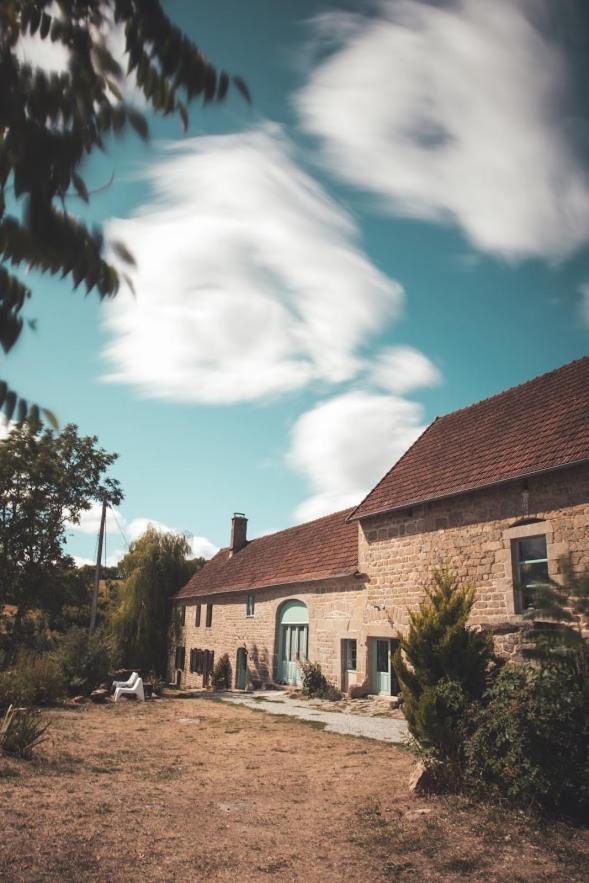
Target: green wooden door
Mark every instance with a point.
(384, 680)
(241, 669)
(382, 667)
(293, 641)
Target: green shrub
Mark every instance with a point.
(221, 677)
(530, 740)
(442, 668)
(85, 660)
(315, 684)
(34, 680)
(21, 730)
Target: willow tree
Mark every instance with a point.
(155, 567)
(49, 122)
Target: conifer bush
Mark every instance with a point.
(442, 668)
(221, 677)
(315, 684)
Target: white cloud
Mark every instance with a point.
(200, 547)
(132, 530)
(344, 445)
(401, 369)
(250, 280)
(90, 520)
(453, 113)
(5, 426)
(79, 561)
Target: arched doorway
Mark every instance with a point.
(241, 669)
(293, 641)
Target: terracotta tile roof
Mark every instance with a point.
(540, 425)
(321, 549)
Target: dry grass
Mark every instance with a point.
(200, 790)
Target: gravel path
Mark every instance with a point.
(380, 728)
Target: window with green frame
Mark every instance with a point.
(530, 560)
(250, 605)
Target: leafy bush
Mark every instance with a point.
(34, 680)
(21, 730)
(316, 685)
(531, 738)
(221, 677)
(442, 667)
(85, 660)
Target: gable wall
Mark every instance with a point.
(473, 533)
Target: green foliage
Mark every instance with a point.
(557, 612)
(50, 122)
(85, 660)
(34, 680)
(441, 667)
(222, 674)
(21, 731)
(530, 740)
(155, 568)
(47, 480)
(315, 684)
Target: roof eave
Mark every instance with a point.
(421, 500)
(255, 586)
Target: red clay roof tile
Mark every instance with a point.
(320, 549)
(540, 425)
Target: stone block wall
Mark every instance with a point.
(337, 610)
(474, 535)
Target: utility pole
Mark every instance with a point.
(97, 571)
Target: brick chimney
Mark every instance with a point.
(238, 532)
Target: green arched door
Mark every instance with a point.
(293, 641)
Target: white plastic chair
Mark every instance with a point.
(135, 690)
(129, 683)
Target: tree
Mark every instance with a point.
(49, 122)
(557, 614)
(47, 480)
(155, 568)
(442, 666)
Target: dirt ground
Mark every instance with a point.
(198, 790)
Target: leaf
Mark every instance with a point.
(22, 410)
(50, 418)
(223, 86)
(3, 391)
(10, 404)
(241, 86)
(80, 187)
(114, 89)
(121, 251)
(45, 25)
(139, 123)
(183, 115)
(35, 20)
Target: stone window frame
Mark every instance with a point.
(250, 605)
(522, 532)
(209, 618)
(183, 614)
(197, 615)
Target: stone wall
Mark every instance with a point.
(337, 610)
(473, 534)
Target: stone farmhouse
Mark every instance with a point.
(498, 490)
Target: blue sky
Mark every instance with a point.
(398, 227)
